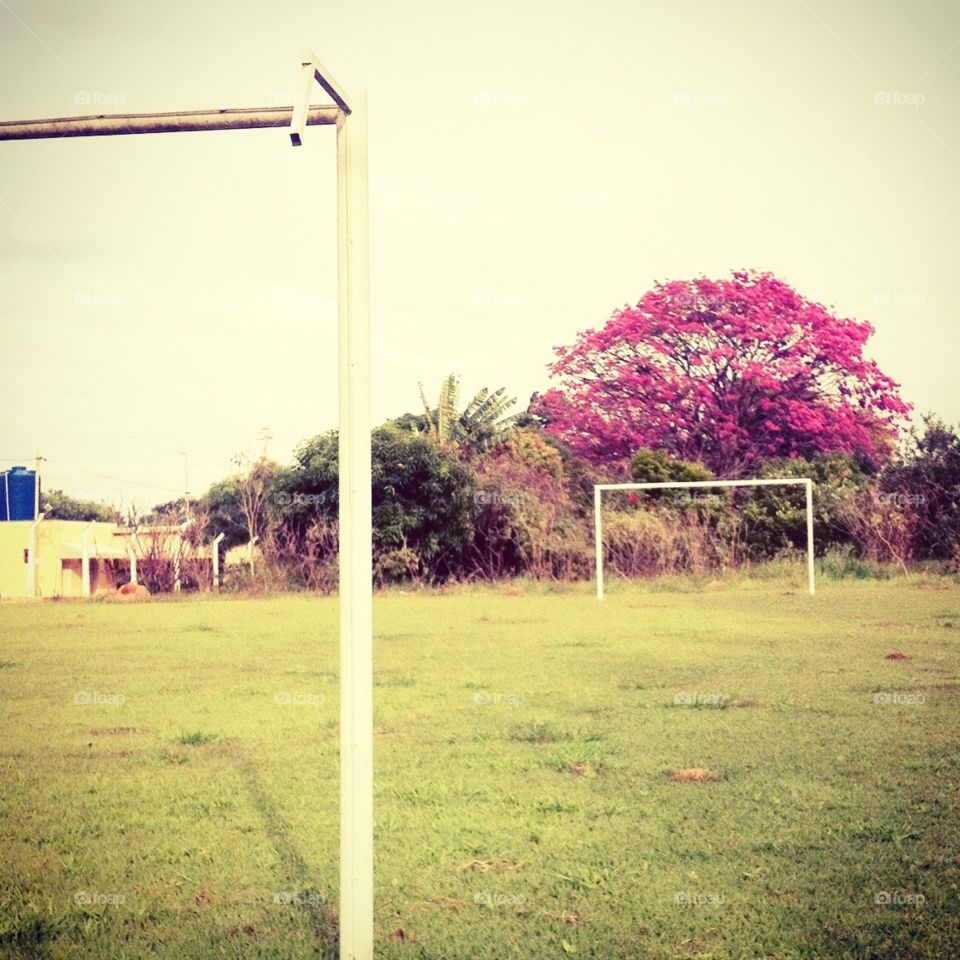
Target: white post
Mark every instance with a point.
(356, 582)
(36, 486)
(598, 539)
(809, 488)
(215, 559)
(133, 564)
(85, 562)
(32, 539)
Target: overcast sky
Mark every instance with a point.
(533, 166)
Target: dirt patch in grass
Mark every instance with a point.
(386, 732)
(571, 919)
(247, 930)
(693, 775)
(489, 866)
(449, 903)
(693, 946)
(585, 769)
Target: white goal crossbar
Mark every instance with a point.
(598, 489)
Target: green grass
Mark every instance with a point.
(168, 774)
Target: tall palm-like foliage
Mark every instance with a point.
(482, 424)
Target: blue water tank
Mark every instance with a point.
(18, 494)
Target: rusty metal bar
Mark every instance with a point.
(100, 125)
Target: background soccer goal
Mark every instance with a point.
(598, 489)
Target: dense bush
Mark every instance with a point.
(56, 505)
(925, 484)
(657, 466)
(843, 563)
(775, 518)
(304, 556)
(525, 519)
(225, 514)
(422, 496)
(646, 543)
(308, 490)
(881, 532)
(524, 507)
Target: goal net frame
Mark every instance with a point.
(599, 488)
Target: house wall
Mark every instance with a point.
(59, 567)
(14, 536)
(54, 538)
(54, 535)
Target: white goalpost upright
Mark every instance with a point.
(599, 488)
(348, 115)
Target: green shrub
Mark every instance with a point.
(645, 543)
(422, 497)
(926, 482)
(841, 563)
(396, 565)
(657, 466)
(775, 518)
(525, 522)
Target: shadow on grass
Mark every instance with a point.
(296, 871)
(30, 938)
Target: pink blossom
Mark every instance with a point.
(724, 371)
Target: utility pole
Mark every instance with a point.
(186, 486)
(264, 436)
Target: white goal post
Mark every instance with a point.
(349, 115)
(598, 489)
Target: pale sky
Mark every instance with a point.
(534, 166)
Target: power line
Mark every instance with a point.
(107, 476)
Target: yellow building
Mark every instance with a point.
(79, 558)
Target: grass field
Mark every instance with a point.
(168, 774)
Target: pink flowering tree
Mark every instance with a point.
(727, 372)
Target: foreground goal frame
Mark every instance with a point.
(599, 488)
(349, 115)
